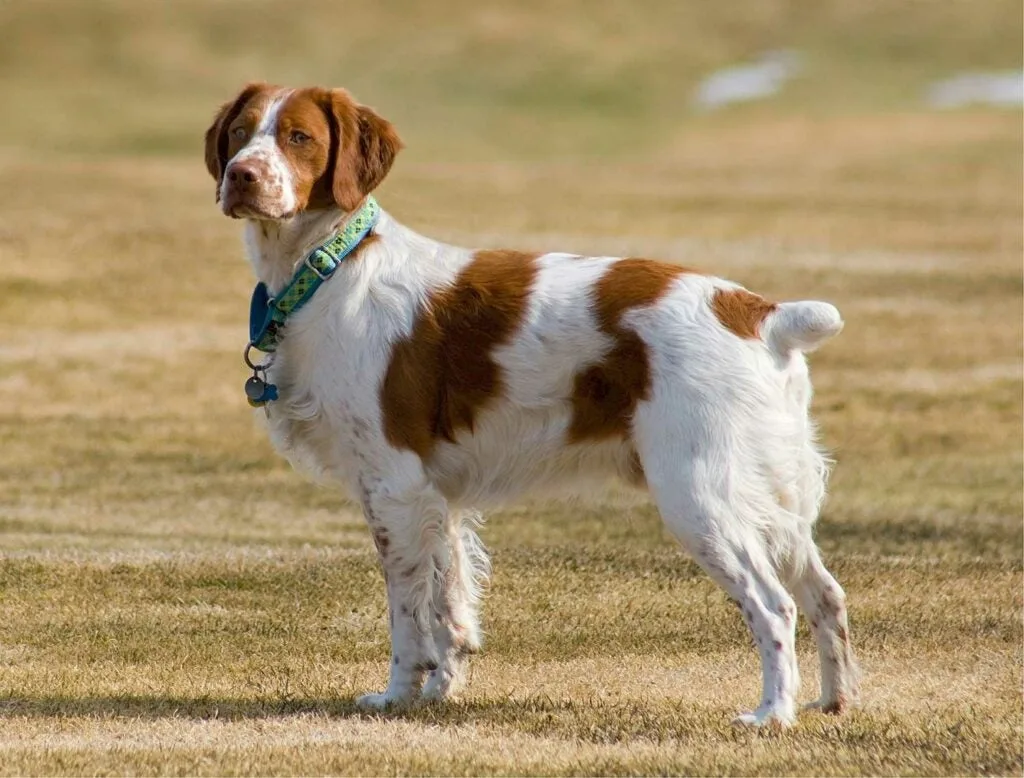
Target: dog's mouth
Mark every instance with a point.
(250, 210)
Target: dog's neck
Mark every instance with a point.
(276, 248)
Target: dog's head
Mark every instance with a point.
(276, 152)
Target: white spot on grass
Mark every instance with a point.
(747, 82)
(1004, 89)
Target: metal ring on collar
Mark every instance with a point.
(250, 364)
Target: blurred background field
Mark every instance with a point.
(175, 600)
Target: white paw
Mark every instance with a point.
(765, 716)
(834, 707)
(434, 688)
(377, 701)
(442, 685)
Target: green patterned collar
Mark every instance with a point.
(268, 315)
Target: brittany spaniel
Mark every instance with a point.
(432, 380)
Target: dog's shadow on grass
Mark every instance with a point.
(144, 706)
(140, 706)
(582, 718)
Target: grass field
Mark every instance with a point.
(174, 600)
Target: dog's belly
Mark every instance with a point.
(514, 451)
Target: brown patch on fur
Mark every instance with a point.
(306, 112)
(741, 312)
(605, 394)
(444, 373)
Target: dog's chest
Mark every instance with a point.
(327, 403)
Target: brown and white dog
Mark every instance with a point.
(433, 380)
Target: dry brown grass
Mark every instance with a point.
(176, 601)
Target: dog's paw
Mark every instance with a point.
(767, 715)
(833, 707)
(378, 701)
(443, 684)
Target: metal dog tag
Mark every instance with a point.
(255, 388)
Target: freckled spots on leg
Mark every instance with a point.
(427, 666)
(396, 661)
(841, 632)
(405, 610)
(814, 624)
(777, 644)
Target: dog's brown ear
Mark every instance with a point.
(217, 134)
(378, 145)
(363, 148)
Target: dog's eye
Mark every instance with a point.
(298, 137)
(239, 132)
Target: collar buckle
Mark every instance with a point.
(308, 263)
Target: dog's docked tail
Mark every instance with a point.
(800, 326)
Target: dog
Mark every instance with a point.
(432, 381)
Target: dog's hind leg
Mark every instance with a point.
(739, 562)
(823, 602)
(456, 599)
(819, 595)
(703, 492)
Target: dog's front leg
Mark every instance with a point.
(408, 529)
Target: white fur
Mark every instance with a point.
(725, 441)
